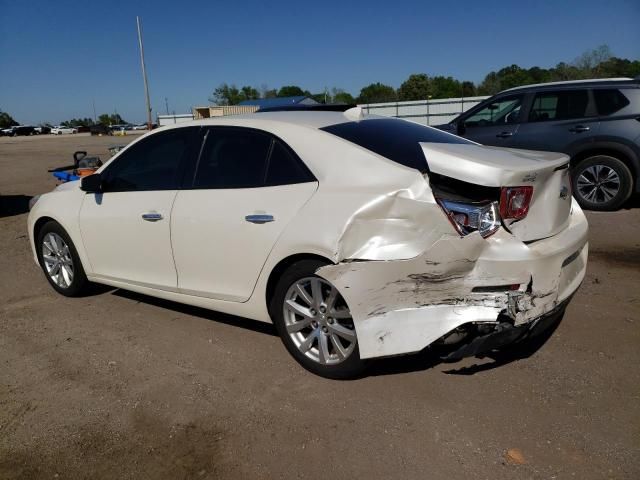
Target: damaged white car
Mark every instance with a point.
(357, 236)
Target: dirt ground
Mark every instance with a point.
(118, 385)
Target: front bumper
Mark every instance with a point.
(403, 306)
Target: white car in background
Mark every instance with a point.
(59, 130)
(142, 126)
(357, 236)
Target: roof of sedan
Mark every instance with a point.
(313, 119)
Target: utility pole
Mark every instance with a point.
(144, 74)
(166, 104)
(95, 118)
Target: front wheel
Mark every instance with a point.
(602, 183)
(315, 324)
(59, 260)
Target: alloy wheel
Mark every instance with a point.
(318, 321)
(57, 260)
(598, 184)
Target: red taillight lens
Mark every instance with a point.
(514, 202)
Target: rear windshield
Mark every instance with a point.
(394, 139)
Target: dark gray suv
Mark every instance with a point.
(595, 122)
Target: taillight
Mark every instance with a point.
(514, 202)
(468, 217)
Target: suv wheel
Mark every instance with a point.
(602, 183)
(314, 323)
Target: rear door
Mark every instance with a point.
(496, 123)
(247, 186)
(558, 121)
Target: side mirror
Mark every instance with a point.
(91, 183)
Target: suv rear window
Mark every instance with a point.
(609, 101)
(394, 139)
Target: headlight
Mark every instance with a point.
(469, 217)
(33, 201)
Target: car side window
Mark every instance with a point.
(236, 157)
(609, 101)
(503, 111)
(561, 105)
(151, 164)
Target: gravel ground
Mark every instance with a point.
(119, 385)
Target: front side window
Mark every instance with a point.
(153, 163)
(235, 157)
(562, 105)
(500, 112)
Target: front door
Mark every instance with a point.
(126, 228)
(247, 187)
(495, 123)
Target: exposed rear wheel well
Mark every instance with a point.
(282, 266)
(623, 157)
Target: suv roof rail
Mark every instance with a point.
(321, 107)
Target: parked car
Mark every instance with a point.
(100, 129)
(22, 131)
(595, 122)
(357, 236)
(60, 130)
(142, 126)
(44, 130)
(83, 129)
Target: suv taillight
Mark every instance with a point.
(514, 202)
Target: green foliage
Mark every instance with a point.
(111, 119)
(340, 96)
(416, 87)
(79, 122)
(6, 120)
(292, 91)
(231, 95)
(377, 93)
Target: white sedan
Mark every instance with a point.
(357, 236)
(59, 130)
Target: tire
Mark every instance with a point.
(601, 183)
(70, 280)
(339, 362)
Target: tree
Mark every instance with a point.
(340, 96)
(377, 93)
(6, 120)
(79, 122)
(111, 119)
(589, 62)
(468, 89)
(445, 87)
(291, 91)
(416, 87)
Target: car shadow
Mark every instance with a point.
(11, 205)
(428, 359)
(424, 360)
(241, 322)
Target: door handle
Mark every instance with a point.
(505, 135)
(579, 129)
(259, 218)
(152, 216)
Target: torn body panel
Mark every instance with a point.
(403, 306)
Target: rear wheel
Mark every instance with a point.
(602, 183)
(314, 322)
(59, 260)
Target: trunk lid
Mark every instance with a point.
(546, 172)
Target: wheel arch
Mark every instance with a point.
(282, 266)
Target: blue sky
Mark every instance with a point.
(57, 57)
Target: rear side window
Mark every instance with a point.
(609, 101)
(153, 163)
(236, 157)
(397, 140)
(562, 105)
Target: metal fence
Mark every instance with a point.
(426, 112)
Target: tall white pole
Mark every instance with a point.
(144, 74)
